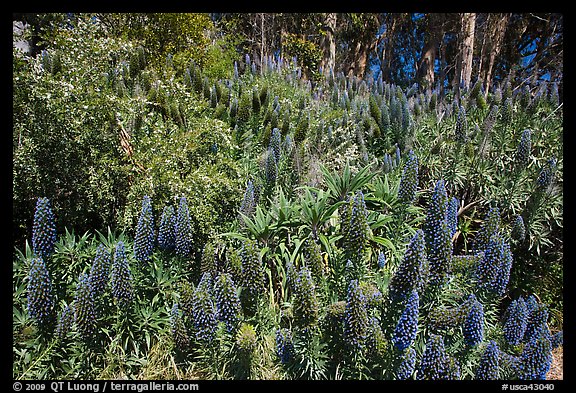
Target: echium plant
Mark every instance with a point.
(493, 269)
(523, 150)
(546, 175)
(252, 276)
(437, 236)
(183, 229)
(40, 295)
(490, 226)
(203, 316)
(452, 215)
(144, 238)
(411, 274)
(356, 234)
(228, 307)
(488, 368)
(248, 205)
(166, 234)
(516, 322)
(407, 364)
(461, 132)
(537, 323)
(270, 169)
(121, 278)
(65, 322)
(518, 232)
(100, 270)
(407, 327)
(409, 180)
(85, 310)
(355, 318)
(305, 301)
(178, 329)
(284, 345)
(274, 143)
(43, 229)
(434, 362)
(473, 328)
(536, 359)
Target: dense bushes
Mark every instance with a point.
(260, 227)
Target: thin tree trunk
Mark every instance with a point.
(329, 43)
(497, 39)
(468, 29)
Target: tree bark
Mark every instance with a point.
(429, 51)
(467, 49)
(329, 43)
(496, 44)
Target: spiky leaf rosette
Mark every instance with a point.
(40, 295)
(100, 270)
(412, 272)
(409, 180)
(516, 322)
(434, 362)
(252, 274)
(183, 229)
(144, 239)
(121, 278)
(407, 364)
(488, 368)
(407, 327)
(203, 316)
(523, 151)
(166, 234)
(518, 231)
(85, 310)
(228, 306)
(473, 328)
(437, 236)
(284, 345)
(43, 229)
(355, 318)
(305, 301)
(490, 226)
(452, 215)
(178, 329)
(65, 322)
(536, 359)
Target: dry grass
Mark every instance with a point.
(557, 369)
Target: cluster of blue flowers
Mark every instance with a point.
(228, 306)
(355, 317)
(518, 231)
(488, 368)
(43, 229)
(546, 174)
(275, 142)
(252, 276)
(305, 300)
(437, 235)
(356, 234)
(516, 321)
(381, 260)
(121, 277)
(434, 362)
(523, 150)
(411, 274)
(65, 321)
(407, 327)
(407, 364)
(284, 345)
(144, 238)
(203, 316)
(248, 205)
(452, 215)
(461, 132)
(40, 295)
(409, 180)
(100, 270)
(493, 270)
(178, 329)
(270, 168)
(166, 234)
(490, 226)
(85, 312)
(473, 328)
